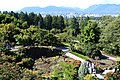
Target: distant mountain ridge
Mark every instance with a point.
(50, 9)
(94, 9)
(103, 9)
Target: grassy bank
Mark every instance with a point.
(80, 55)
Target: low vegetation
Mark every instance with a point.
(81, 56)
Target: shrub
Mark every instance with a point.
(83, 70)
(27, 62)
(10, 71)
(88, 48)
(90, 77)
(64, 72)
(96, 53)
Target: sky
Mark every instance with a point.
(14, 5)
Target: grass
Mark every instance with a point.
(118, 59)
(81, 56)
(66, 44)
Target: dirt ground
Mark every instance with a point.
(104, 63)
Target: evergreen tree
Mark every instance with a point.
(40, 21)
(48, 22)
(75, 26)
(61, 23)
(55, 22)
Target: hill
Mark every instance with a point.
(103, 9)
(94, 9)
(51, 9)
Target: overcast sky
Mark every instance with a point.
(14, 5)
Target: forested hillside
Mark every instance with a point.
(35, 33)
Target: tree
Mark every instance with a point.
(40, 21)
(31, 19)
(8, 31)
(24, 25)
(110, 38)
(61, 24)
(48, 22)
(23, 37)
(55, 22)
(50, 39)
(2, 17)
(81, 23)
(89, 38)
(75, 26)
(90, 33)
(38, 36)
(6, 18)
(23, 16)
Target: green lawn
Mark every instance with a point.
(81, 56)
(118, 59)
(66, 44)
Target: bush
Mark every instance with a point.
(27, 62)
(10, 71)
(90, 77)
(96, 53)
(83, 70)
(2, 48)
(112, 76)
(88, 48)
(62, 37)
(64, 72)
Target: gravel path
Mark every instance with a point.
(109, 57)
(67, 53)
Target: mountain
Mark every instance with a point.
(103, 9)
(50, 9)
(94, 9)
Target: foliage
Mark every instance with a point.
(50, 39)
(8, 31)
(31, 75)
(64, 71)
(63, 37)
(10, 71)
(90, 77)
(33, 29)
(2, 48)
(27, 62)
(109, 38)
(48, 22)
(75, 26)
(90, 33)
(112, 76)
(55, 31)
(89, 38)
(96, 53)
(88, 48)
(83, 70)
(118, 59)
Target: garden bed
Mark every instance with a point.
(46, 65)
(104, 63)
